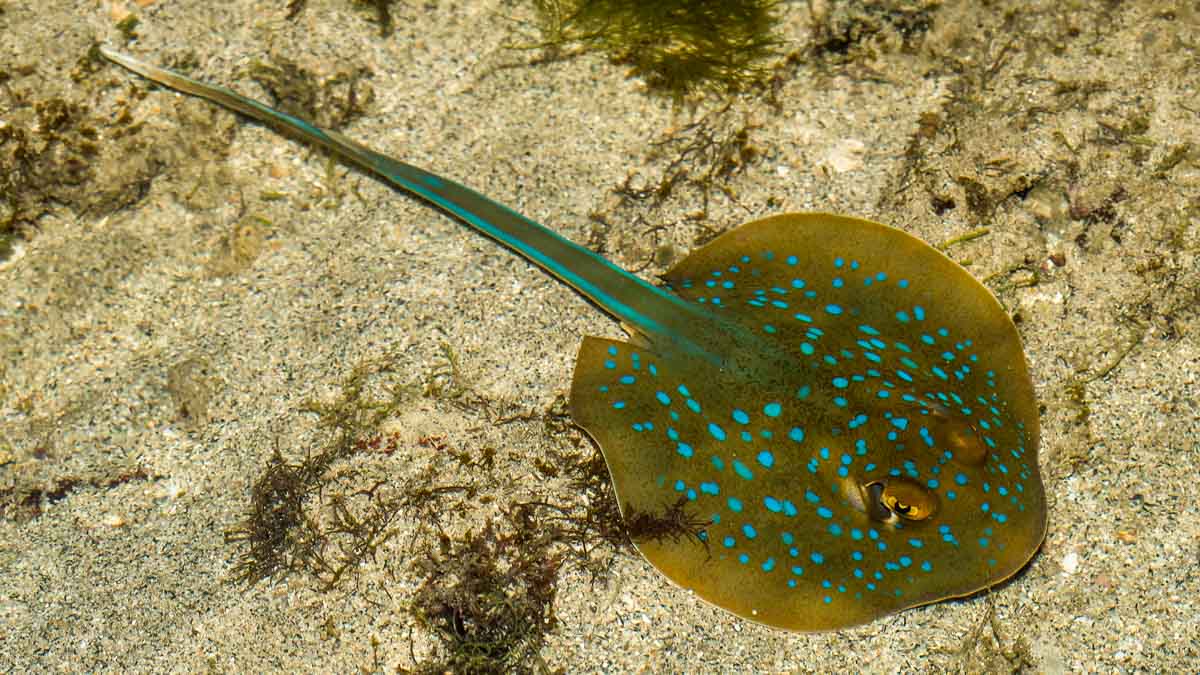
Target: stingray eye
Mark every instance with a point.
(902, 497)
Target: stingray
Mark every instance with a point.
(844, 413)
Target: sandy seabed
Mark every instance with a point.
(193, 282)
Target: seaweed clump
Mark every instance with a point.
(46, 159)
(704, 154)
(331, 103)
(51, 155)
(674, 523)
(290, 528)
(383, 12)
(488, 597)
(680, 47)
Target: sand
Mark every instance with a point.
(191, 284)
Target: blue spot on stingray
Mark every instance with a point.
(772, 409)
(766, 458)
(742, 470)
(740, 416)
(716, 431)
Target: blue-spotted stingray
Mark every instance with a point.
(845, 413)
